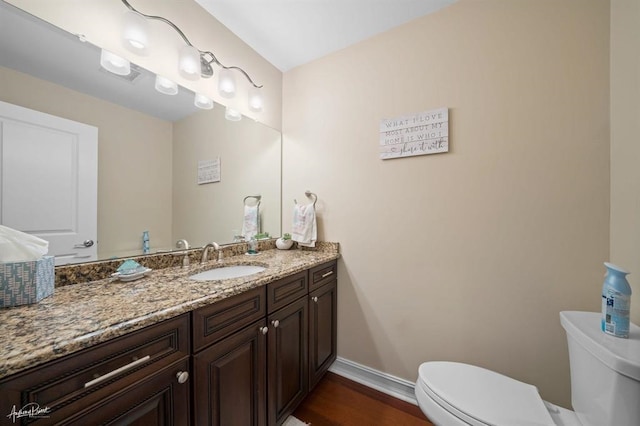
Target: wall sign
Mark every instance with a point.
(208, 171)
(417, 134)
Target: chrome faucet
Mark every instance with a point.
(205, 252)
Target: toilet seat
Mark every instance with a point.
(481, 397)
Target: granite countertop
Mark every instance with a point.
(81, 315)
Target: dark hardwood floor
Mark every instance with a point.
(337, 401)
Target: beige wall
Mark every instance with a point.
(101, 20)
(250, 156)
(468, 255)
(625, 149)
(132, 147)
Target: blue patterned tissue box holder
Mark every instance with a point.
(24, 283)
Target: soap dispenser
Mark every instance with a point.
(145, 242)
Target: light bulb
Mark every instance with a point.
(189, 62)
(232, 115)
(114, 63)
(203, 102)
(226, 83)
(256, 100)
(135, 32)
(166, 86)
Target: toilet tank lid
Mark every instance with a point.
(621, 355)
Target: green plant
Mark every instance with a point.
(286, 236)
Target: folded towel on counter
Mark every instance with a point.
(304, 230)
(250, 222)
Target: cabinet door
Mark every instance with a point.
(323, 307)
(288, 363)
(162, 399)
(229, 380)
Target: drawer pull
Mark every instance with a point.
(315, 299)
(264, 330)
(275, 323)
(182, 376)
(325, 275)
(117, 371)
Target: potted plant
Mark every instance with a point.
(285, 242)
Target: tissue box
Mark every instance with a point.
(23, 283)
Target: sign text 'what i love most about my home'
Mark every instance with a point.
(416, 134)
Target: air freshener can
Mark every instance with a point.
(616, 301)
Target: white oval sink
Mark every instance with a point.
(227, 272)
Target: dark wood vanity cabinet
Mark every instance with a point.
(246, 360)
(139, 378)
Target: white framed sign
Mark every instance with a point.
(208, 171)
(416, 134)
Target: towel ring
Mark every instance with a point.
(257, 197)
(309, 194)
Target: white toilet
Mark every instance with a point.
(605, 385)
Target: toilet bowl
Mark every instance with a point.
(605, 381)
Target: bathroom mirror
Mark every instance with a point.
(151, 146)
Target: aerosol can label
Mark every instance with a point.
(615, 313)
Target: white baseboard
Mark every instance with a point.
(383, 382)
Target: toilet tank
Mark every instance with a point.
(605, 371)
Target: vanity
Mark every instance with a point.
(170, 350)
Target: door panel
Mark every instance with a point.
(48, 180)
(322, 330)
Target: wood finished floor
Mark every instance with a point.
(337, 401)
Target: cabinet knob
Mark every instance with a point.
(275, 323)
(264, 330)
(182, 376)
(315, 299)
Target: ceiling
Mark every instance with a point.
(288, 33)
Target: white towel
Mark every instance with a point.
(250, 222)
(304, 230)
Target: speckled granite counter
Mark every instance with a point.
(81, 315)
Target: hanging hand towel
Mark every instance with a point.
(304, 230)
(250, 222)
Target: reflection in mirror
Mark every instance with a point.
(151, 146)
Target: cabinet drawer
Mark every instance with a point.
(323, 274)
(90, 375)
(160, 399)
(214, 322)
(282, 292)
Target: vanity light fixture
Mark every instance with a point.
(166, 86)
(232, 114)
(195, 63)
(114, 63)
(135, 31)
(203, 102)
